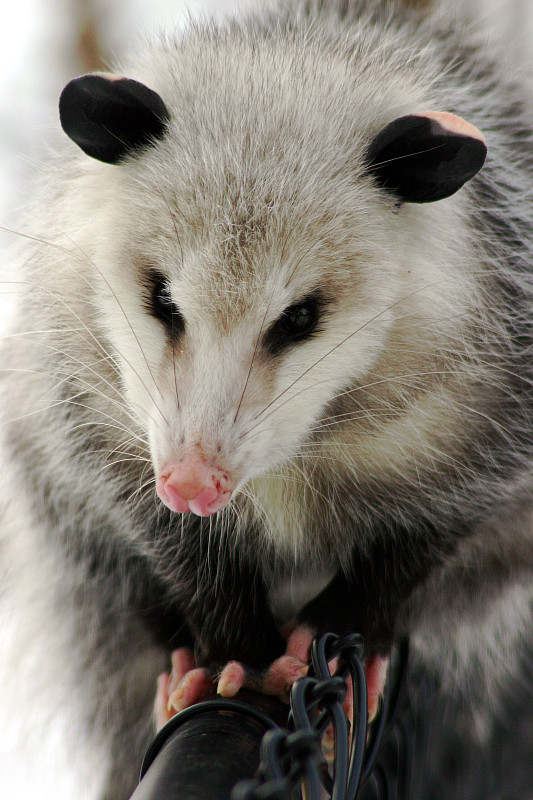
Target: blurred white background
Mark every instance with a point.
(44, 43)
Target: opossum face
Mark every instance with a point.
(258, 278)
(249, 329)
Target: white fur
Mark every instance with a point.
(258, 195)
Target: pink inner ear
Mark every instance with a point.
(108, 76)
(454, 124)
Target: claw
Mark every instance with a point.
(190, 689)
(232, 679)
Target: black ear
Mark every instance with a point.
(425, 157)
(110, 117)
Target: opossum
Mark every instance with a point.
(271, 369)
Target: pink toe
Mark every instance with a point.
(299, 643)
(182, 663)
(348, 702)
(282, 674)
(376, 675)
(232, 679)
(161, 710)
(192, 688)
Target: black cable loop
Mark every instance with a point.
(272, 754)
(316, 704)
(348, 761)
(300, 715)
(401, 755)
(376, 737)
(251, 790)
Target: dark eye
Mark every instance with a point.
(165, 310)
(297, 322)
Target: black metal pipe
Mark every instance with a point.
(201, 753)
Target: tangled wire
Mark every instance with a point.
(292, 757)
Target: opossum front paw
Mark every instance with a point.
(283, 672)
(294, 663)
(185, 685)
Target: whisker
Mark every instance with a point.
(92, 387)
(109, 464)
(87, 261)
(354, 416)
(178, 239)
(112, 451)
(253, 358)
(130, 326)
(339, 394)
(140, 489)
(63, 302)
(347, 338)
(121, 428)
(78, 375)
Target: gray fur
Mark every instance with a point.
(261, 181)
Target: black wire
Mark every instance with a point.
(359, 734)
(374, 744)
(292, 757)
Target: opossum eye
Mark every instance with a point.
(165, 310)
(296, 323)
(300, 320)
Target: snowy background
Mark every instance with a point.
(44, 43)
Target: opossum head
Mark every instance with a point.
(259, 259)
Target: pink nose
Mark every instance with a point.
(193, 485)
